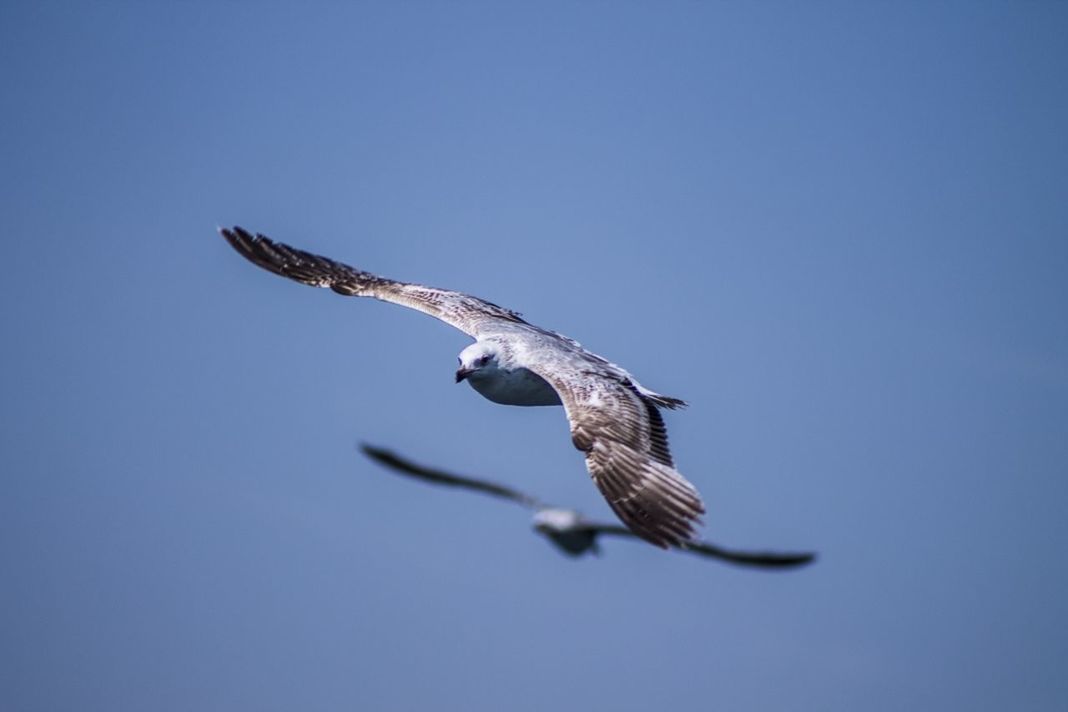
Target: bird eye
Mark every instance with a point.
(483, 360)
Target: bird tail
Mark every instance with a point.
(662, 400)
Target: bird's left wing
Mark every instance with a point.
(765, 559)
(759, 559)
(467, 313)
(625, 442)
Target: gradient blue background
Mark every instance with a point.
(839, 231)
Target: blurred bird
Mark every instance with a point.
(614, 420)
(569, 530)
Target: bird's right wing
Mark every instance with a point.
(440, 477)
(466, 313)
(760, 559)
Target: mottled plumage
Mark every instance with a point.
(614, 420)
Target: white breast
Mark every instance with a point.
(517, 387)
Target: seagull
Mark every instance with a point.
(568, 529)
(614, 420)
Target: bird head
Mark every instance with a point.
(477, 359)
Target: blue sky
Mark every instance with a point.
(839, 231)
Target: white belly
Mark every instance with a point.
(518, 387)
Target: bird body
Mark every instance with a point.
(517, 386)
(614, 420)
(568, 529)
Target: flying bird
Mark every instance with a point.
(568, 529)
(614, 420)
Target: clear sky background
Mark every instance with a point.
(839, 230)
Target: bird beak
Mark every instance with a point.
(462, 373)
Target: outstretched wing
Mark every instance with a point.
(468, 314)
(427, 474)
(766, 559)
(627, 454)
(760, 559)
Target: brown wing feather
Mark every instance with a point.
(462, 311)
(625, 442)
(658, 437)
